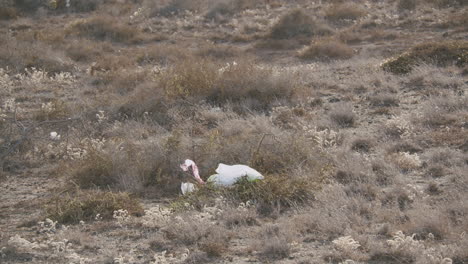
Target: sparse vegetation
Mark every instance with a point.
(101, 101)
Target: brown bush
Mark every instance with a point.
(437, 53)
(103, 28)
(444, 111)
(234, 217)
(228, 8)
(273, 243)
(275, 249)
(362, 145)
(447, 3)
(29, 5)
(216, 242)
(383, 100)
(297, 24)
(84, 206)
(144, 169)
(94, 171)
(59, 110)
(85, 5)
(351, 36)
(405, 147)
(8, 13)
(83, 51)
(345, 11)
(244, 85)
(186, 232)
(18, 55)
(175, 7)
(406, 5)
(343, 115)
(326, 50)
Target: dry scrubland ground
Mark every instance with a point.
(355, 111)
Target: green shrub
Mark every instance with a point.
(84, 206)
(437, 53)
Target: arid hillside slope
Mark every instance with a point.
(356, 113)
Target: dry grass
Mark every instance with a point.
(406, 5)
(85, 205)
(136, 169)
(234, 217)
(344, 11)
(226, 8)
(362, 145)
(273, 243)
(343, 116)
(103, 28)
(216, 242)
(7, 13)
(18, 55)
(326, 50)
(384, 100)
(441, 54)
(297, 23)
(244, 85)
(169, 83)
(83, 51)
(292, 30)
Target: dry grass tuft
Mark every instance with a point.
(438, 53)
(85, 205)
(343, 115)
(362, 145)
(326, 50)
(384, 100)
(275, 249)
(94, 171)
(344, 11)
(273, 243)
(7, 13)
(197, 257)
(234, 217)
(186, 232)
(83, 51)
(18, 55)
(297, 24)
(103, 28)
(227, 8)
(406, 5)
(216, 242)
(244, 85)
